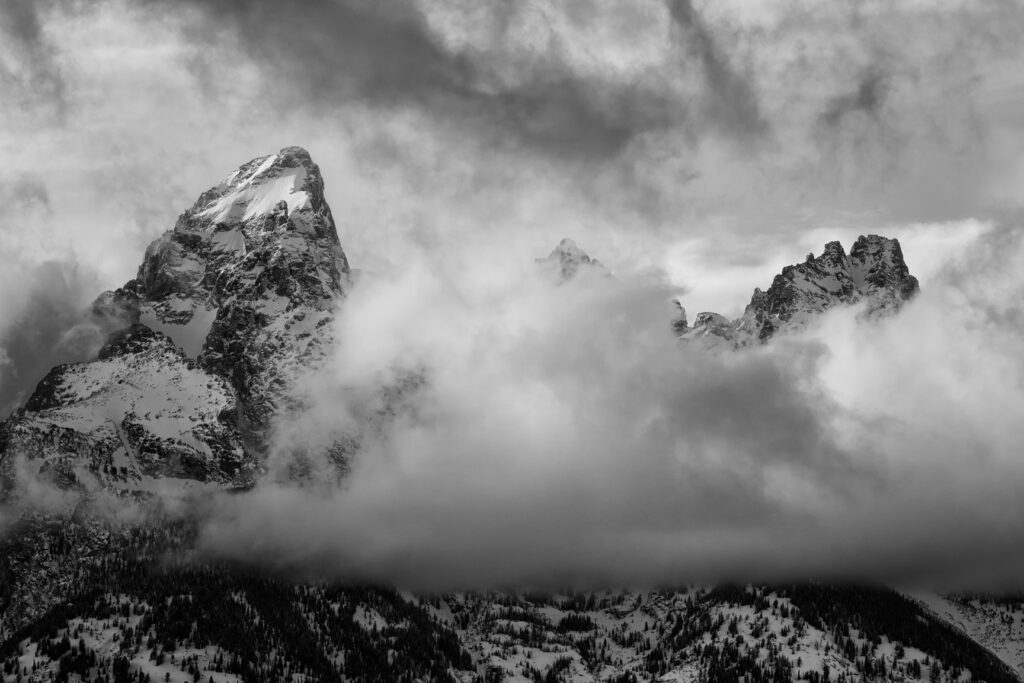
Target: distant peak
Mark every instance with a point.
(567, 258)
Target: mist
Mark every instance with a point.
(562, 435)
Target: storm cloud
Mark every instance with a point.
(30, 74)
(562, 433)
(388, 55)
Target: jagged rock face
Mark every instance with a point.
(874, 273)
(249, 278)
(226, 311)
(567, 260)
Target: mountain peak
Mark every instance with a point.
(228, 309)
(566, 260)
(264, 234)
(874, 272)
(880, 263)
(276, 189)
(834, 254)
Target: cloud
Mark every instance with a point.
(46, 325)
(733, 100)
(521, 76)
(44, 318)
(386, 55)
(29, 69)
(562, 436)
(869, 97)
(25, 193)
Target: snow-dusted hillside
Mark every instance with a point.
(182, 624)
(995, 622)
(728, 633)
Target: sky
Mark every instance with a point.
(693, 147)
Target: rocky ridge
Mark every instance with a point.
(873, 274)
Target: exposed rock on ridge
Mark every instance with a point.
(874, 273)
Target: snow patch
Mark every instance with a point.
(191, 336)
(256, 196)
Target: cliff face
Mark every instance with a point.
(249, 277)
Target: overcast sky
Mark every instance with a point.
(692, 138)
(693, 147)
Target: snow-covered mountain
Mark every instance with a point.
(873, 273)
(228, 309)
(207, 345)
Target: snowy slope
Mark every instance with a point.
(703, 634)
(142, 410)
(996, 623)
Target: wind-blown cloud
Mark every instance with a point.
(47, 325)
(43, 318)
(562, 435)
